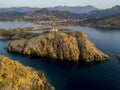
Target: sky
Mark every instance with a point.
(51, 3)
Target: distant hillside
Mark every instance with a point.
(11, 14)
(19, 9)
(75, 9)
(101, 13)
(108, 22)
(43, 14)
(58, 14)
(46, 14)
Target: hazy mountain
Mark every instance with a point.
(58, 14)
(75, 9)
(107, 22)
(101, 13)
(49, 14)
(19, 9)
(11, 14)
(85, 12)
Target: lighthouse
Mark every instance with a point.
(53, 29)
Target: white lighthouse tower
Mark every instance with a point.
(53, 29)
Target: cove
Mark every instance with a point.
(74, 76)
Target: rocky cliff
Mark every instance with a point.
(73, 46)
(15, 76)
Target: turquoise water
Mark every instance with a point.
(74, 76)
(9, 24)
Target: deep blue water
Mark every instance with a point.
(74, 76)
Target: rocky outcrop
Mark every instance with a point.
(73, 46)
(25, 33)
(15, 76)
(16, 34)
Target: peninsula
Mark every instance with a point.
(15, 76)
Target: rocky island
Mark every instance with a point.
(15, 76)
(72, 46)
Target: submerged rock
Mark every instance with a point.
(73, 46)
(118, 57)
(15, 76)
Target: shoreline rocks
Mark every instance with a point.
(24, 33)
(73, 46)
(15, 76)
(16, 34)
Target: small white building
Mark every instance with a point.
(53, 29)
